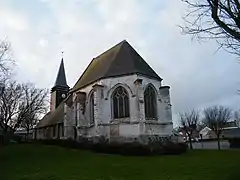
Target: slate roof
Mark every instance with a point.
(52, 118)
(122, 59)
(43, 122)
(61, 77)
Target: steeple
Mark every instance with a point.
(61, 77)
(60, 89)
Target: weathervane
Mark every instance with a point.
(62, 54)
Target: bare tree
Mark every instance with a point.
(6, 64)
(237, 117)
(9, 103)
(21, 105)
(32, 105)
(214, 19)
(216, 118)
(6, 61)
(188, 122)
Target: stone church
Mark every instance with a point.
(118, 96)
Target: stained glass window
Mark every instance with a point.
(150, 103)
(120, 101)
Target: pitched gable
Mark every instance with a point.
(119, 60)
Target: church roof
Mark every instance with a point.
(61, 77)
(52, 118)
(122, 59)
(44, 121)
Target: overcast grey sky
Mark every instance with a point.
(40, 30)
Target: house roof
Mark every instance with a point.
(121, 59)
(205, 131)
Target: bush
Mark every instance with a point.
(3, 140)
(174, 148)
(130, 149)
(9, 138)
(234, 142)
(121, 148)
(69, 143)
(136, 149)
(109, 148)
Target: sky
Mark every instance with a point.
(39, 30)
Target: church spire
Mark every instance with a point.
(61, 77)
(60, 89)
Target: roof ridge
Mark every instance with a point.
(82, 74)
(144, 61)
(117, 52)
(93, 60)
(109, 49)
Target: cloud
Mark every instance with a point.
(41, 30)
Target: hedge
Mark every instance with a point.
(130, 148)
(234, 142)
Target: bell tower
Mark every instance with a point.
(60, 89)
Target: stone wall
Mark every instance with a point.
(136, 124)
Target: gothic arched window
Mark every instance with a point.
(120, 102)
(92, 108)
(150, 103)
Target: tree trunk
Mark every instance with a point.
(27, 134)
(190, 142)
(5, 129)
(218, 139)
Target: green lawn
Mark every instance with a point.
(36, 162)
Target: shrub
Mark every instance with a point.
(234, 142)
(9, 138)
(133, 148)
(3, 140)
(174, 148)
(136, 149)
(130, 148)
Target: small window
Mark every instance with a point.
(150, 103)
(120, 101)
(92, 109)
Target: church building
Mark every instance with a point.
(118, 96)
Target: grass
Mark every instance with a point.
(36, 162)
